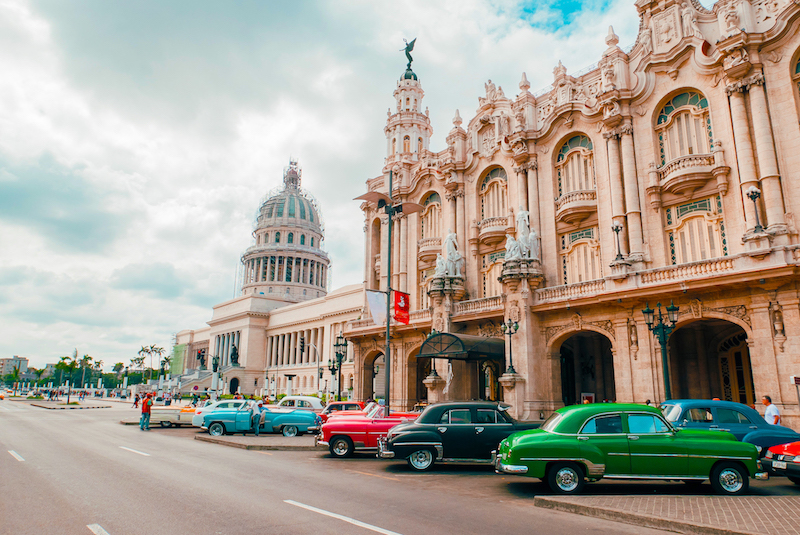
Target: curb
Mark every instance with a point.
(255, 447)
(633, 518)
(69, 408)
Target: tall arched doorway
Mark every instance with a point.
(489, 387)
(587, 368)
(710, 359)
(379, 377)
(418, 369)
(234, 385)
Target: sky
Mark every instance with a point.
(138, 139)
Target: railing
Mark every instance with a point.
(685, 162)
(266, 247)
(424, 314)
(357, 324)
(429, 242)
(576, 196)
(570, 291)
(486, 304)
(686, 271)
(493, 222)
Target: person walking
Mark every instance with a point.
(144, 422)
(256, 417)
(167, 399)
(772, 415)
(136, 401)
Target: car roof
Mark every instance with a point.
(707, 403)
(575, 415)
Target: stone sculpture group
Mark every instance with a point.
(526, 244)
(451, 264)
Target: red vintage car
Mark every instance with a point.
(783, 460)
(346, 434)
(341, 408)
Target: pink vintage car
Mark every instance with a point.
(346, 434)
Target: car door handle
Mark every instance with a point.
(583, 438)
(633, 437)
(441, 429)
(713, 427)
(753, 427)
(478, 430)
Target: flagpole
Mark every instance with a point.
(388, 352)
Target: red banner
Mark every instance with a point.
(401, 307)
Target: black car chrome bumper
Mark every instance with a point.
(384, 453)
(783, 468)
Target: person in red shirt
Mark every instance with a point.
(144, 422)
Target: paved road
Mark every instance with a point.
(81, 468)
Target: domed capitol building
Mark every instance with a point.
(551, 226)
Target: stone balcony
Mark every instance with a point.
(478, 306)
(575, 206)
(493, 230)
(428, 248)
(686, 174)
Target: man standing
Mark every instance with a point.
(144, 422)
(772, 415)
(256, 417)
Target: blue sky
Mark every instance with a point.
(138, 138)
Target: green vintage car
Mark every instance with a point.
(626, 441)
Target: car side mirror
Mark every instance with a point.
(685, 421)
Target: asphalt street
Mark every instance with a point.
(79, 471)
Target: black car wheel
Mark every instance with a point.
(216, 429)
(341, 447)
(289, 430)
(166, 424)
(565, 478)
(421, 460)
(730, 479)
(795, 480)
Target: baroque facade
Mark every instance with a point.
(278, 335)
(661, 174)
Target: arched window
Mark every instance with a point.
(491, 266)
(419, 145)
(408, 103)
(277, 237)
(575, 165)
(289, 263)
(290, 238)
(796, 75)
(394, 146)
(493, 194)
(407, 144)
(683, 127)
(580, 256)
(302, 239)
(431, 218)
(312, 242)
(696, 231)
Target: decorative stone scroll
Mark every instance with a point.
(578, 324)
(737, 311)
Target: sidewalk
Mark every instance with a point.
(264, 442)
(712, 515)
(62, 405)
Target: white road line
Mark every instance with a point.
(97, 529)
(16, 455)
(134, 451)
(343, 518)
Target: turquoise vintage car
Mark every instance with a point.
(626, 441)
(290, 422)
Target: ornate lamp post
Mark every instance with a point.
(662, 331)
(617, 228)
(340, 349)
(510, 328)
(753, 193)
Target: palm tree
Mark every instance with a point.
(15, 377)
(155, 350)
(86, 362)
(38, 374)
(146, 351)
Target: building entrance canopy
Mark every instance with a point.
(462, 347)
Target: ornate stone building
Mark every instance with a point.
(661, 174)
(282, 328)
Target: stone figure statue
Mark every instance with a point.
(215, 364)
(523, 228)
(454, 259)
(533, 245)
(491, 90)
(646, 39)
(512, 249)
(202, 361)
(687, 14)
(234, 355)
(408, 48)
(441, 266)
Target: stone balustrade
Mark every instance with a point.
(687, 271)
(429, 242)
(576, 196)
(571, 291)
(685, 162)
(486, 304)
(493, 222)
(420, 315)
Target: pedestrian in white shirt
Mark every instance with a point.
(772, 415)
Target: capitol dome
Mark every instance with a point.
(287, 261)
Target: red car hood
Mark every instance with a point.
(792, 448)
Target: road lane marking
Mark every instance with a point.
(264, 453)
(135, 451)
(16, 455)
(97, 529)
(373, 475)
(342, 518)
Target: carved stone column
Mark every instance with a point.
(514, 393)
(396, 226)
(403, 252)
(384, 252)
(767, 162)
(451, 207)
(435, 385)
(533, 193)
(632, 207)
(522, 186)
(461, 223)
(744, 149)
(615, 180)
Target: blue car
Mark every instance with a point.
(744, 422)
(289, 422)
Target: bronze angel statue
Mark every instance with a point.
(409, 47)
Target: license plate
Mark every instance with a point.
(779, 465)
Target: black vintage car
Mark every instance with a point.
(451, 432)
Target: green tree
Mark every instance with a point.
(85, 362)
(38, 374)
(143, 353)
(118, 367)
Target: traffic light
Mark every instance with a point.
(302, 345)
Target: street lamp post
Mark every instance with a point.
(510, 328)
(392, 208)
(662, 330)
(340, 349)
(617, 228)
(753, 193)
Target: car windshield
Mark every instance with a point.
(551, 423)
(671, 412)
